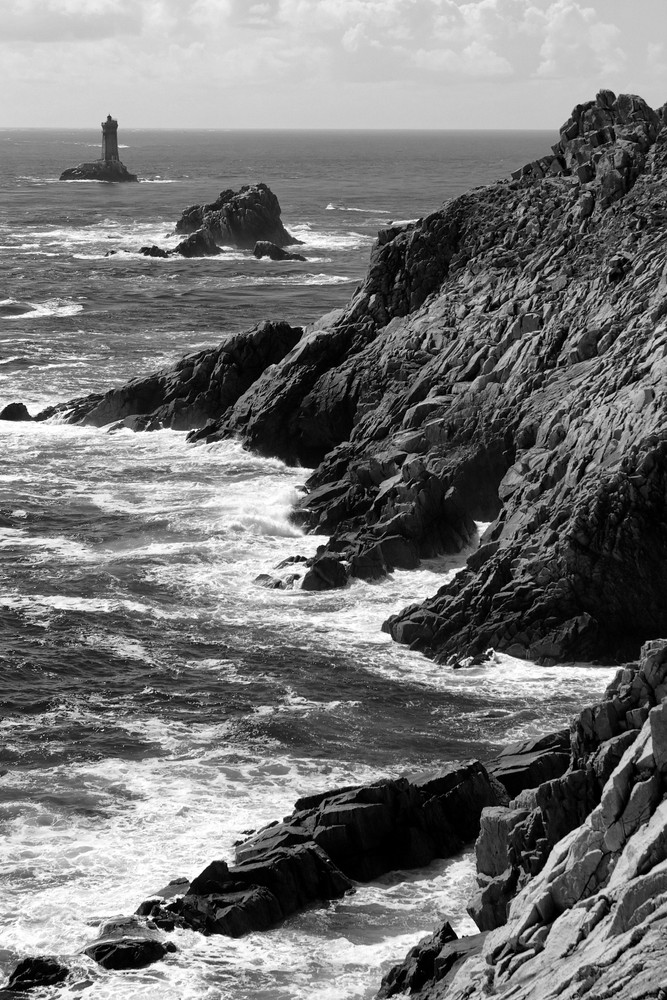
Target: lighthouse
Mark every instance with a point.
(108, 167)
(110, 139)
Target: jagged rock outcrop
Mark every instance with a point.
(515, 840)
(590, 918)
(435, 960)
(332, 838)
(99, 170)
(503, 362)
(356, 833)
(194, 391)
(238, 219)
(604, 144)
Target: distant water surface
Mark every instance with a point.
(155, 702)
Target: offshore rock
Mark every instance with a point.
(34, 973)
(128, 943)
(15, 411)
(264, 248)
(329, 840)
(194, 391)
(373, 829)
(201, 243)
(238, 219)
(99, 170)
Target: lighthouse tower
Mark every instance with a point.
(110, 139)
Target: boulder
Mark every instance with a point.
(148, 251)
(418, 967)
(325, 573)
(15, 411)
(253, 895)
(264, 248)
(201, 243)
(128, 943)
(331, 839)
(35, 973)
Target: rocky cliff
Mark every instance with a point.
(590, 918)
(504, 361)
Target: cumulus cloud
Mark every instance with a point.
(319, 50)
(67, 20)
(574, 40)
(340, 38)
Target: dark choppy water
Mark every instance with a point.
(154, 701)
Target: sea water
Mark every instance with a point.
(156, 703)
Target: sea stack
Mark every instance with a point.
(109, 166)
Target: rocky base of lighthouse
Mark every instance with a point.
(99, 170)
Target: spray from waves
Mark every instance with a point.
(330, 240)
(334, 207)
(77, 850)
(15, 309)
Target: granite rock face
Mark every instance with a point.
(502, 362)
(515, 840)
(586, 913)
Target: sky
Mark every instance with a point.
(429, 64)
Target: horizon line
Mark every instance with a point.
(300, 128)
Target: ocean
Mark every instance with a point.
(155, 703)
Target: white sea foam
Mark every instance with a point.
(83, 841)
(38, 310)
(330, 239)
(334, 207)
(77, 851)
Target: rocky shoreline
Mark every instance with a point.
(572, 870)
(504, 361)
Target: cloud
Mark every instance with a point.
(573, 40)
(338, 39)
(68, 20)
